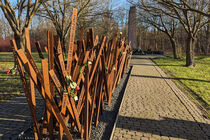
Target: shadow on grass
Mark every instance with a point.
(10, 86)
(169, 127)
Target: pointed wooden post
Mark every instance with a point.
(37, 134)
(39, 49)
(86, 125)
(71, 41)
(32, 89)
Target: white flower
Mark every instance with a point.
(73, 85)
(75, 98)
(120, 32)
(68, 77)
(89, 62)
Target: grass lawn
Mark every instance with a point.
(11, 85)
(196, 79)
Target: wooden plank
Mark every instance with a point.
(98, 106)
(105, 74)
(81, 47)
(51, 100)
(61, 61)
(55, 81)
(71, 41)
(37, 134)
(97, 59)
(76, 115)
(47, 89)
(28, 48)
(84, 46)
(63, 112)
(46, 50)
(96, 40)
(47, 96)
(77, 68)
(86, 125)
(56, 39)
(123, 63)
(88, 41)
(59, 49)
(39, 49)
(65, 98)
(33, 64)
(93, 104)
(119, 72)
(91, 31)
(32, 88)
(50, 43)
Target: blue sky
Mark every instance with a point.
(120, 3)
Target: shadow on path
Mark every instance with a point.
(146, 76)
(15, 116)
(166, 127)
(158, 65)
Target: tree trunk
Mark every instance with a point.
(20, 41)
(174, 48)
(63, 44)
(207, 39)
(190, 51)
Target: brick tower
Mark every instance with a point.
(132, 27)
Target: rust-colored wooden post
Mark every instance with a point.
(32, 88)
(28, 47)
(71, 41)
(86, 135)
(39, 49)
(50, 43)
(37, 134)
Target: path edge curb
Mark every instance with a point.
(194, 111)
(115, 123)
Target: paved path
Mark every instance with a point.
(15, 116)
(154, 108)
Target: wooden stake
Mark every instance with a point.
(71, 41)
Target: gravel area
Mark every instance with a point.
(106, 120)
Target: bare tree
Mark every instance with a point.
(1, 28)
(19, 15)
(189, 7)
(207, 38)
(60, 15)
(191, 21)
(5, 28)
(150, 12)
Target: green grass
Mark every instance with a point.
(11, 85)
(196, 79)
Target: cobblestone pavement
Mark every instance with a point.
(15, 116)
(153, 108)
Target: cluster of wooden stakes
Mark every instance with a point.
(74, 91)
